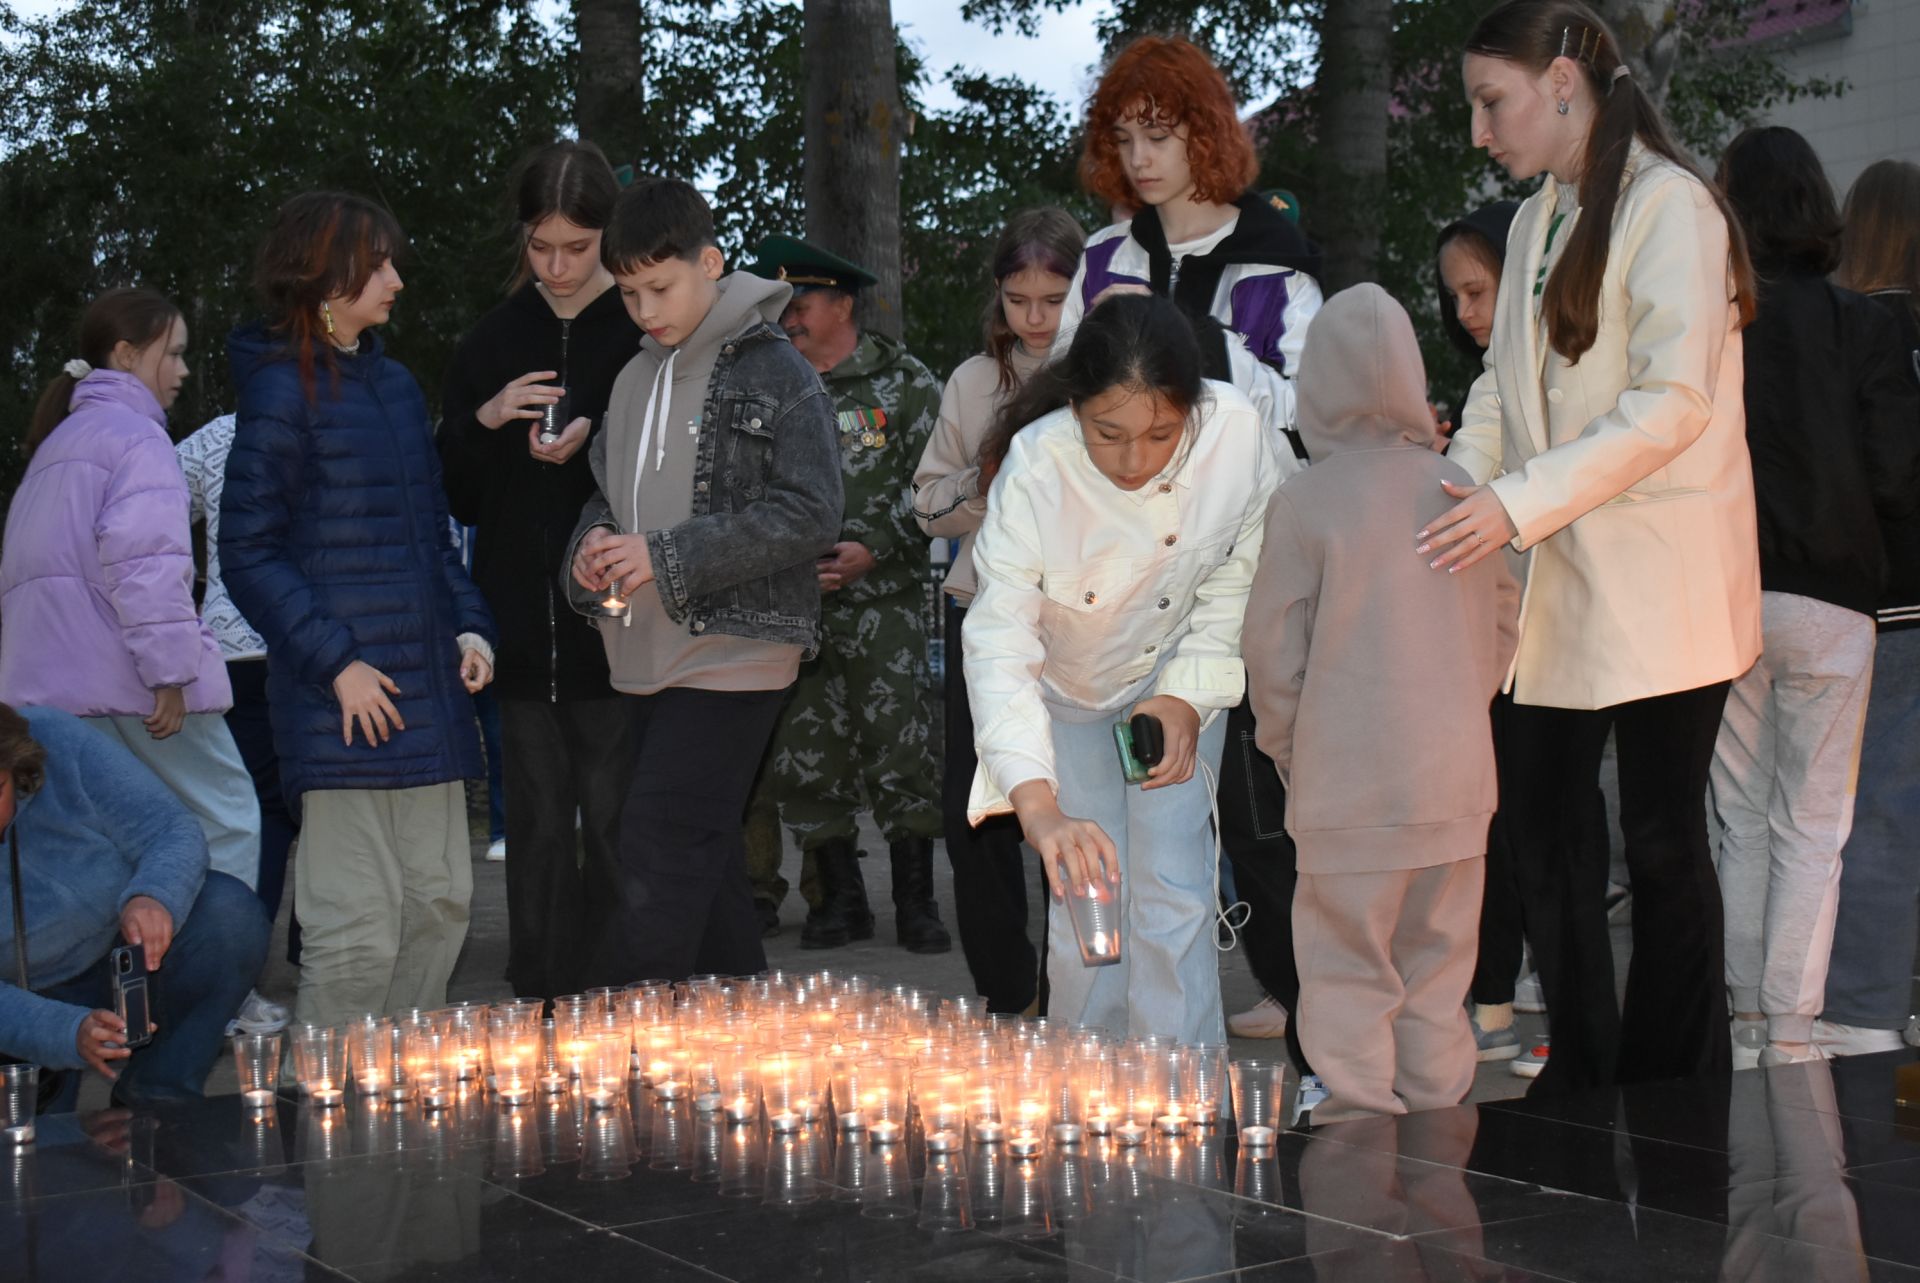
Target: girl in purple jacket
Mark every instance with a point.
(96, 578)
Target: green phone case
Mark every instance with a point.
(1131, 766)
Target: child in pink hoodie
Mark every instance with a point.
(1370, 677)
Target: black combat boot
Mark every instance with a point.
(916, 918)
(843, 912)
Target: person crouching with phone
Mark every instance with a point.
(106, 857)
(1120, 539)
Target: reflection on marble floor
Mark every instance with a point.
(1795, 1173)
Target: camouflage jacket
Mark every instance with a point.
(887, 404)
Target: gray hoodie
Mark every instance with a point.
(1370, 674)
(653, 436)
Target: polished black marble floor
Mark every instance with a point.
(1797, 1173)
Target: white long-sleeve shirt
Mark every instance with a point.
(1091, 597)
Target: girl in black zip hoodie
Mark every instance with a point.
(556, 343)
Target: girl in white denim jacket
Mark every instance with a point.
(1119, 543)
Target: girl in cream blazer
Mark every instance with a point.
(1607, 438)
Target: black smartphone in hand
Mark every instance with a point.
(130, 992)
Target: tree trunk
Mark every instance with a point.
(609, 108)
(855, 127)
(1356, 63)
(1649, 41)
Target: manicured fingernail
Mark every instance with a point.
(1434, 564)
(1425, 547)
(1422, 535)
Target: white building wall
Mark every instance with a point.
(1879, 114)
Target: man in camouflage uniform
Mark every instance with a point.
(857, 730)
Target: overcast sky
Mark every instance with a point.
(1059, 60)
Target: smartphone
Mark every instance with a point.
(130, 996)
(1141, 742)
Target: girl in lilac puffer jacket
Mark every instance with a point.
(96, 577)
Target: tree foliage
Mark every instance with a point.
(151, 141)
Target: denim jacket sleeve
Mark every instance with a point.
(793, 519)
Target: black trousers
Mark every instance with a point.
(1502, 937)
(1674, 1020)
(252, 731)
(559, 759)
(684, 905)
(990, 872)
(1253, 829)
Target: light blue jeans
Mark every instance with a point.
(1870, 980)
(203, 767)
(1167, 981)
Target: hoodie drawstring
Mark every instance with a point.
(653, 430)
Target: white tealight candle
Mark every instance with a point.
(884, 1132)
(987, 1132)
(257, 1097)
(1256, 1137)
(1171, 1124)
(1066, 1133)
(852, 1120)
(1024, 1145)
(740, 1110)
(942, 1142)
(324, 1095)
(1130, 1133)
(785, 1121)
(707, 1102)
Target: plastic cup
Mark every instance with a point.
(1095, 910)
(1258, 1086)
(256, 1058)
(19, 1094)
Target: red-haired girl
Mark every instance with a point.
(1164, 138)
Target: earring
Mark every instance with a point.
(326, 313)
(1561, 105)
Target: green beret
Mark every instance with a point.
(804, 266)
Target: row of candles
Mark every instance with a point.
(794, 1051)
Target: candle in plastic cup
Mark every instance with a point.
(19, 1094)
(1095, 910)
(256, 1059)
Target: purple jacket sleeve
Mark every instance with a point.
(142, 533)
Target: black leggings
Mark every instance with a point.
(1674, 1022)
(1253, 812)
(990, 872)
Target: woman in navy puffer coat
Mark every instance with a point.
(335, 544)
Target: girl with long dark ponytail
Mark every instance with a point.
(1113, 567)
(1612, 408)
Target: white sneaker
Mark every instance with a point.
(1311, 1092)
(1265, 1019)
(1527, 996)
(1836, 1039)
(1749, 1040)
(258, 1016)
(497, 850)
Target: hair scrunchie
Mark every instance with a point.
(77, 369)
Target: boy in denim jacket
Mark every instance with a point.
(719, 486)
